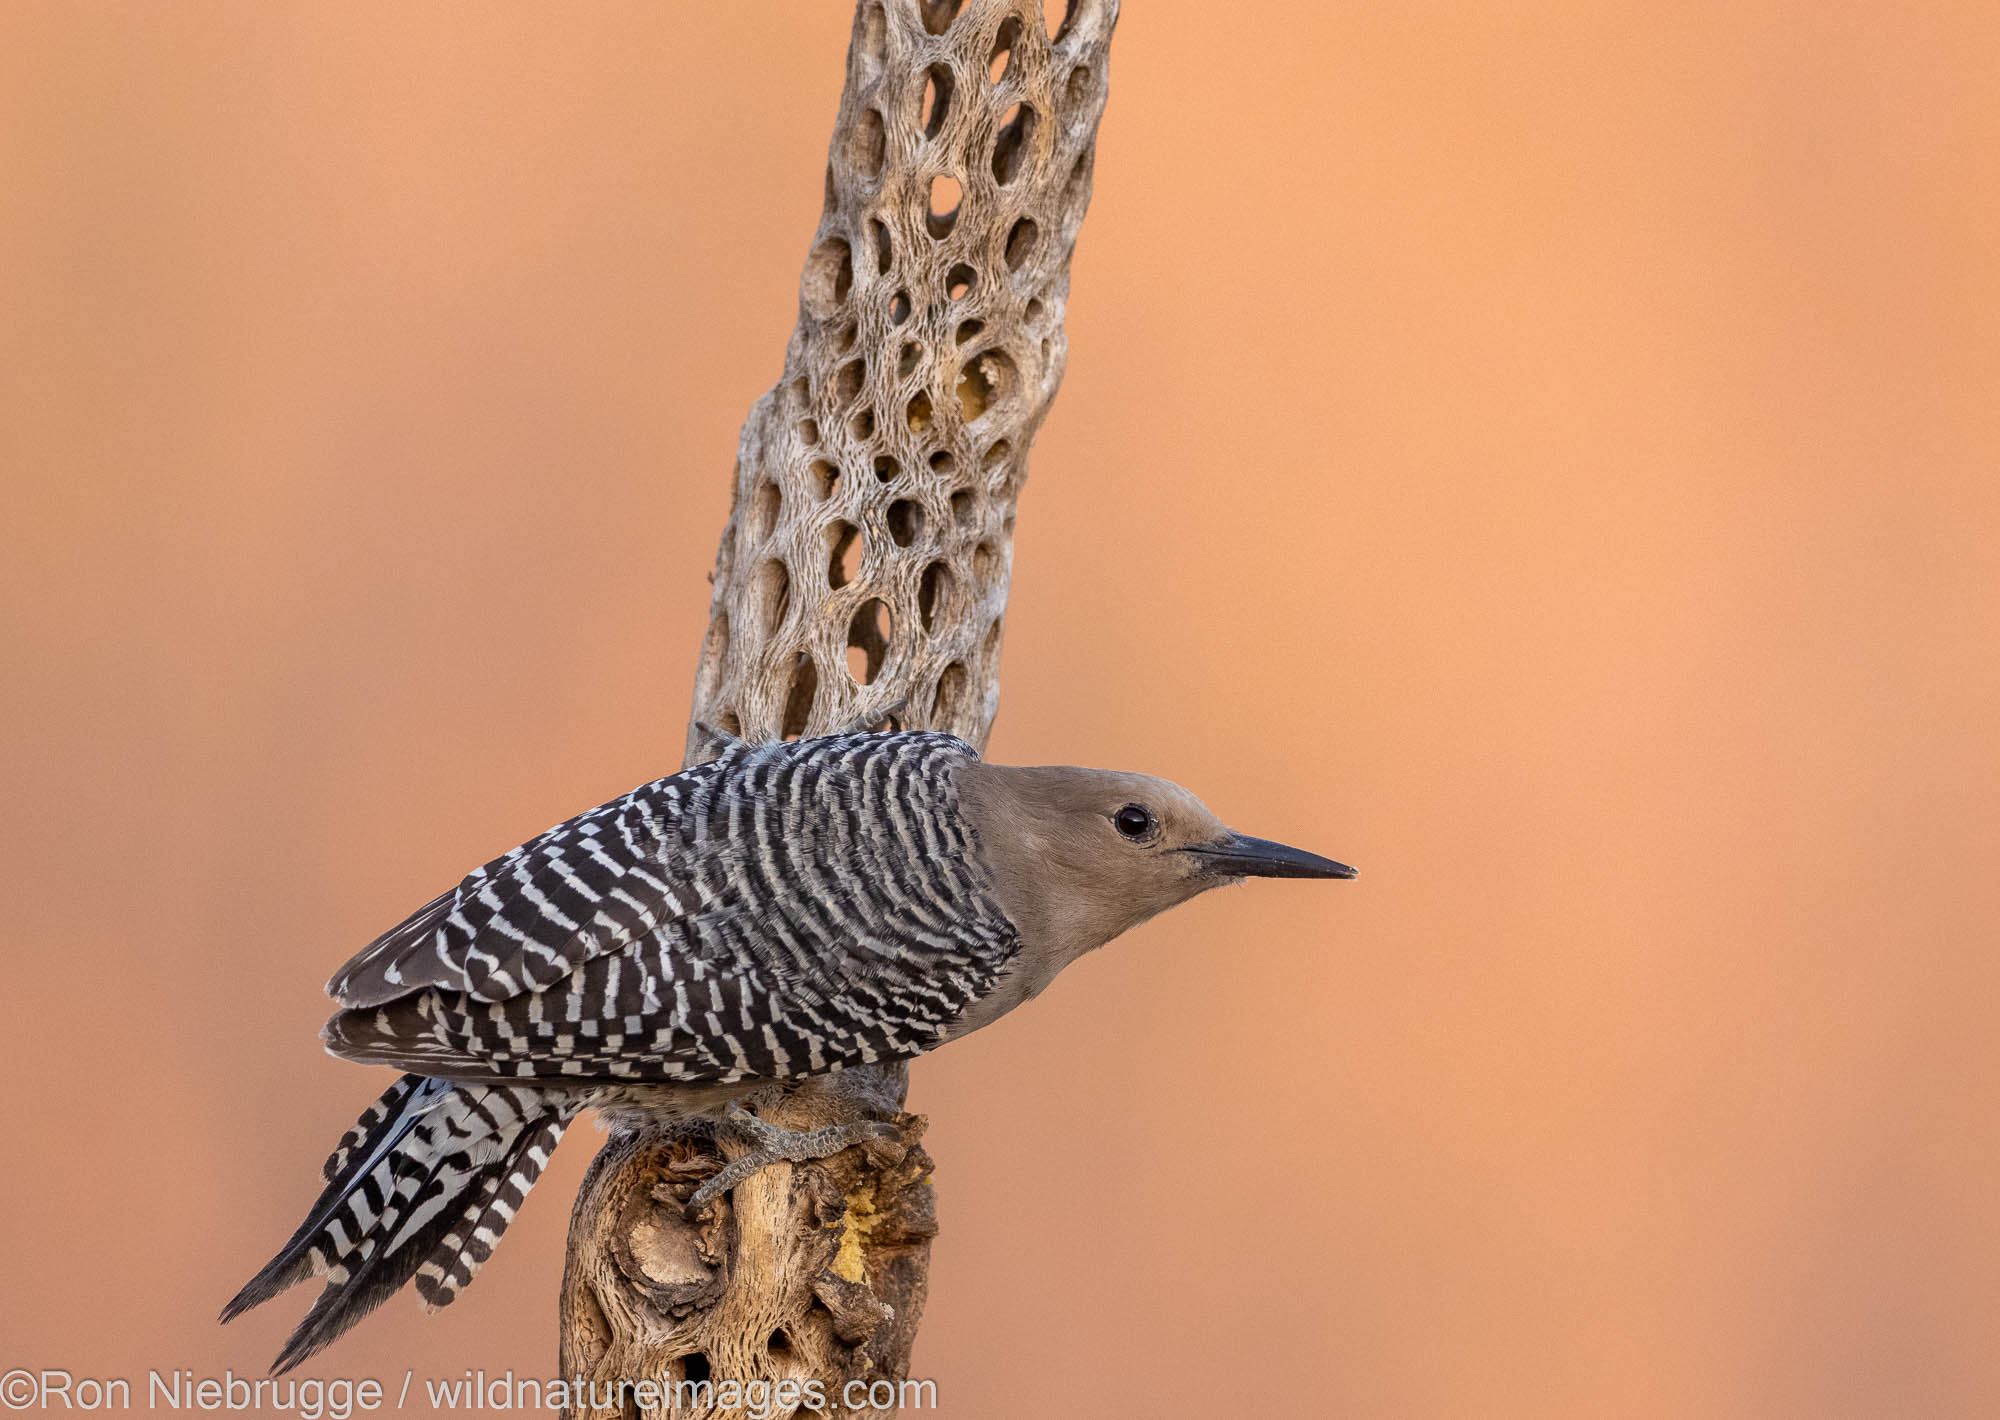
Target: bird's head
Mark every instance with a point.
(1081, 855)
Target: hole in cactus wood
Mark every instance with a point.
(869, 145)
(987, 379)
(931, 590)
(829, 276)
(936, 101)
(799, 699)
(1021, 244)
(843, 562)
(1076, 89)
(943, 214)
(1003, 49)
(950, 698)
(764, 510)
(868, 640)
(938, 14)
(1010, 149)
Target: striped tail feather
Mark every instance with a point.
(476, 1229)
(422, 1186)
(366, 1127)
(383, 1123)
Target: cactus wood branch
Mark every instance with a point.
(866, 561)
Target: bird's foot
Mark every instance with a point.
(721, 736)
(876, 718)
(769, 1144)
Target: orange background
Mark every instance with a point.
(1548, 455)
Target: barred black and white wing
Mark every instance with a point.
(786, 910)
(531, 916)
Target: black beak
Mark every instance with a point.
(1240, 856)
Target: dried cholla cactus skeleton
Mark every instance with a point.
(876, 485)
(865, 563)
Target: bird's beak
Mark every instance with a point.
(1240, 856)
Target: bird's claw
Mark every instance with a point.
(772, 1144)
(878, 716)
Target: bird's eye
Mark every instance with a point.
(1135, 821)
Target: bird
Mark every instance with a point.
(787, 909)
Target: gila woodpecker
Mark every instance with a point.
(786, 910)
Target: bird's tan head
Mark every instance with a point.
(1081, 855)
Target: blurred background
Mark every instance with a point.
(1547, 455)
